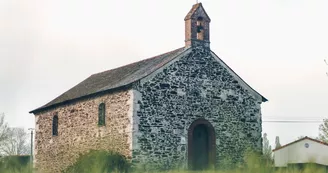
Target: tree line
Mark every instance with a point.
(13, 140)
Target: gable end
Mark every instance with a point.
(240, 80)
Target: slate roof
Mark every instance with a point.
(112, 79)
(118, 78)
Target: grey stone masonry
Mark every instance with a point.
(195, 85)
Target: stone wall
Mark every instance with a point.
(78, 131)
(195, 86)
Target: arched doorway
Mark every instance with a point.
(201, 145)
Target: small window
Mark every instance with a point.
(101, 114)
(55, 125)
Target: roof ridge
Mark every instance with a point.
(306, 137)
(111, 79)
(106, 71)
(148, 59)
(166, 62)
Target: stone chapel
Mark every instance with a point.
(184, 108)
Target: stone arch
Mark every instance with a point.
(211, 142)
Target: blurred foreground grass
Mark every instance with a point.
(109, 162)
(310, 169)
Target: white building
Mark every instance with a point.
(302, 151)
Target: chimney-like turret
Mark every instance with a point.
(197, 29)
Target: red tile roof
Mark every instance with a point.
(314, 140)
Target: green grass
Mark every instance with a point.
(14, 165)
(309, 169)
(109, 162)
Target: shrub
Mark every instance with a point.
(15, 164)
(100, 162)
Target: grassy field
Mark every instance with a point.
(108, 162)
(309, 169)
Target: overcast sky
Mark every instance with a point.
(277, 46)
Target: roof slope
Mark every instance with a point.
(311, 139)
(122, 77)
(114, 78)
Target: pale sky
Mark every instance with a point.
(277, 46)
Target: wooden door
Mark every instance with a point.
(200, 143)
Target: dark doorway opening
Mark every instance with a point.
(201, 145)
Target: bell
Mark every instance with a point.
(199, 28)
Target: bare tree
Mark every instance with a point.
(323, 128)
(323, 131)
(16, 143)
(3, 129)
(13, 141)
